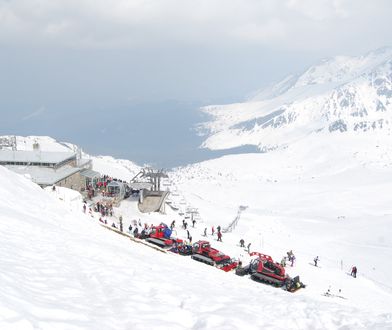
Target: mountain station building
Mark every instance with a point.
(64, 169)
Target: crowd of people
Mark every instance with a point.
(99, 186)
(137, 229)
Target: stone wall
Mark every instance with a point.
(74, 181)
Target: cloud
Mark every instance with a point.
(34, 114)
(151, 23)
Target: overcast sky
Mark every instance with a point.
(93, 55)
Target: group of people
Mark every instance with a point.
(242, 244)
(290, 258)
(218, 230)
(137, 228)
(105, 209)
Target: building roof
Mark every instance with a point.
(90, 174)
(44, 175)
(115, 184)
(35, 156)
(140, 185)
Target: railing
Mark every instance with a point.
(234, 223)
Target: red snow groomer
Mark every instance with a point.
(264, 269)
(203, 252)
(160, 235)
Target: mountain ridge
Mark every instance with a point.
(342, 94)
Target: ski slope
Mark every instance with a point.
(62, 270)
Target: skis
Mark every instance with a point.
(312, 264)
(330, 295)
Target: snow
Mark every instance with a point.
(347, 95)
(319, 191)
(62, 270)
(116, 168)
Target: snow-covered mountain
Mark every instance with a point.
(342, 95)
(62, 270)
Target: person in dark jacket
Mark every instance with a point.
(219, 236)
(135, 232)
(121, 222)
(242, 242)
(249, 247)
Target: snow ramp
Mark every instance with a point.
(152, 201)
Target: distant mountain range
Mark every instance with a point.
(342, 95)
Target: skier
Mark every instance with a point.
(242, 242)
(193, 223)
(212, 230)
(249, 247)
(218, 229)
(290, 255)
(292, 260)
(205, 232)
(185, 225)
(84, 208)
(135, 232)
(219, 236)
(130, 229)
(187, 234)
(316, 260)
(173, 224)
(354, 272)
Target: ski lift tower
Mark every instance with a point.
(155, 177)
(192, 212)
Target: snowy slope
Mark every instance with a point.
(350, 95)
(317, 198)
(61, 270)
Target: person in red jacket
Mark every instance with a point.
(354, 271)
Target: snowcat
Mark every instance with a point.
(264, 269)
(203, 252)
(160, 235)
